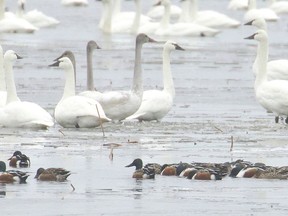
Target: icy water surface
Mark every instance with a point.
(214, 102)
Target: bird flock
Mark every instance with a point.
(92, 108)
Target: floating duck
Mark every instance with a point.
(11, 176)
(52, 174)
(19, 159)
(147, 172)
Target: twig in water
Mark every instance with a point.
(217, 128)
(111, 154)
(61, 132)
(232, 143)
(100, 121)
(73, 188)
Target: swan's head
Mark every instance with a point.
(11, 55)
(171, 45)
(143, 38)
(260, 35)
(67, 54)
(91, 45)
(259, 23)
(63, 62)
(165, 2)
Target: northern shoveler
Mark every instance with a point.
(148, 172)
(10, 176)
(19, 159)
(52, 174)
(204, 174)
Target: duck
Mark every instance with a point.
(180, 28)
(169, 170)
(203, 174)
(118, 105)
(3, 91)
(270, 94)
(17, 113)
(11, 23)
(238, 5)
(19, 160)
(253, 13)
(52, 174)
(157, 11)
(11, 176)
(142, 173)
(279, 7)
(35, 17)
(276, 69)
(75, 111)
(155, 103)
(75, 3)
(210, 18)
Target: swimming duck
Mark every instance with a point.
(52, 174)
(19, 159)
(169, 170)
(11, 176)
(204, 174)
(148, 172)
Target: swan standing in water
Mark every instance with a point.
(35, 17)
(155, 103)
(3, 92)
(276, 69)
(73, 110)
(253, 12)
(10, 23)
(17, 113)
(118, 105)
(272, 95)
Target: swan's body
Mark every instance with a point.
(272, 95)
(157, 11)
(17, 113)
(76, 111)
(279, 7)
(183, 28)
(155, 103)
(118, 105)
(238, 5)
(211, 18)
(76, 3)
(276, 69)
(253, 13)
(3, 92)
(114, 21)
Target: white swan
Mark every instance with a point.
(73, 110)
(181, 29)
(76, 3)
(276, 69)
(155, 103)
(272, 95)
(157, 11)
(211, 18)
(279, 7)
(118, 105)
(17, 113)
(3, 92)
(238, 5)
(253, 12)
(35, 17)
(10, 23)
(112, 21)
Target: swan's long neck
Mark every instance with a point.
(137, 87)
(69, 89)
(107, 23)
(2, 72)
(185, 14)
(193, 9)
(90, 81)
(262, 53)
(10, 83)
(2, 9)
(20, 8)
(136, 21)
(116, 7)
(165, 21)
(252, 4)
(167, 76)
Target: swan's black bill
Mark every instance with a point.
(249, 23)
(250, 37)
(157, 4)
(177, 47)
(55, 64)
(18, 57)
